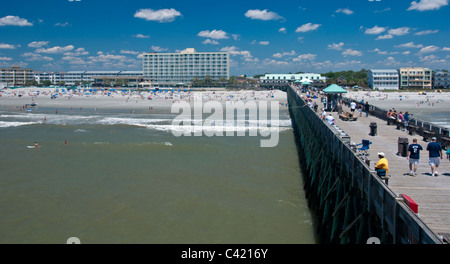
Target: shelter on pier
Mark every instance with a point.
(334, 94)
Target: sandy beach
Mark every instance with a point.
(413, 102)
(21, 98)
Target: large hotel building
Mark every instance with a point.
(170, 69)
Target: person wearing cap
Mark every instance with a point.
(382, 166)
(434, 153)
(413, 156)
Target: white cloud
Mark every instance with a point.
(141, 36)
(446, 49)
(375, 30)
(235, 52)
(345, 11)
(56, 50)
(215, 34)
(350, 52)
(159, 49)
(282, 30)
(426, 32)
(399, 31)
(5, 59)
(304, 57)
(37, 44)
(429, 49)
(77, 52)
(387, 36)
(377, 50)
(14, 21)
(129, 52)
(335, 46)
(209, 41)
(280, 55)
(65, 24)
(390, 61)
(410, 45)
(30, 56)
(307, 27)
(161, 16)
(425, 5)
(346, 64)
(74, 60)
(264, 42)
(263, 15)
(7, 46)
(406, 52)
(433, 60)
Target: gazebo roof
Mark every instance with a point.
(334, 88)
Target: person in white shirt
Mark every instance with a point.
(330, 119)
(324, 115)
(352, 107)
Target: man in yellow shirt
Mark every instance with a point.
(382, 166)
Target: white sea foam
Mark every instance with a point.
(16, 124)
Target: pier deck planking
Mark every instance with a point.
(431, 193)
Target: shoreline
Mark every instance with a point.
(116, 100)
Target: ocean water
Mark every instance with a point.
(125, 178)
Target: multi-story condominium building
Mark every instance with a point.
(54, 77)
(383, 79)
(16, 76)
(169, 69)
(284, 78)
(441, 80)
(80, 77)
(415, 78)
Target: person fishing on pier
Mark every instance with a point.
(382, 166)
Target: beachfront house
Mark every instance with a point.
(383, 79)
(415, 78)
(441, 80)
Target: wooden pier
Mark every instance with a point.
(432, 194)
(351, 202)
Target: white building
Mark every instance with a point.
(53, 77)
(284, 78)
(169, 69)
(383, 79)
(80, 77)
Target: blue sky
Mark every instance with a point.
(262, 36)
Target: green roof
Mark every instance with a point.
(334, 88)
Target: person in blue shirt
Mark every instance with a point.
(435, 152)
(413, 156)
(406, 119)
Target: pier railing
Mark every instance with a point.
(352, 204)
